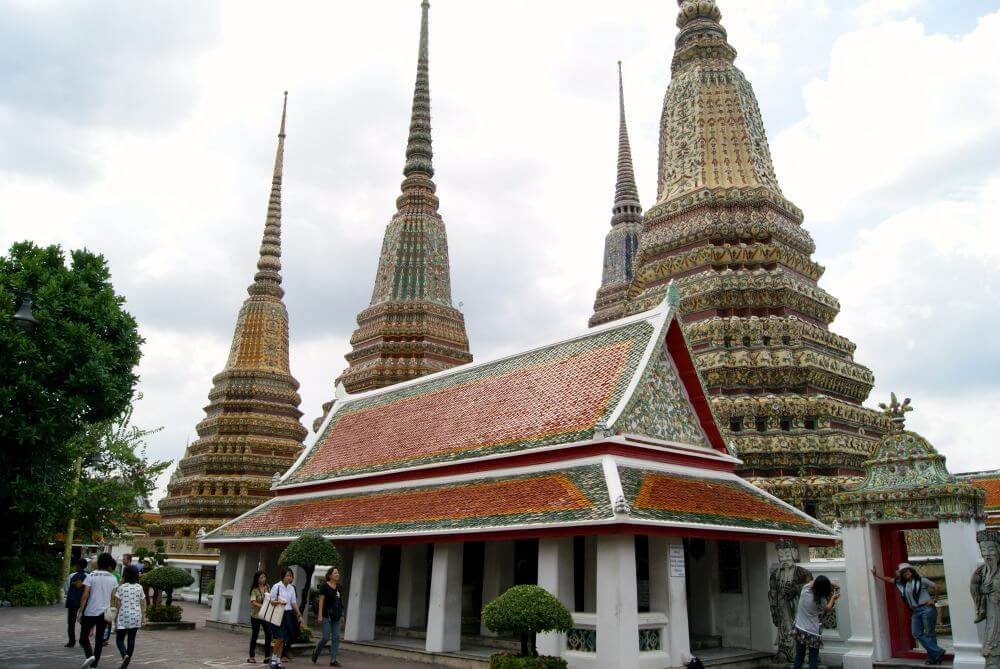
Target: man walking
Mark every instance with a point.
(97, 589)
(74, 592)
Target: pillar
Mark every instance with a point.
(869, 640)
(668, 595)
(617, 602)
(961, 556)
(444, 616)
(224, 576)
(498, 573)
(411, 608)
(555, 574)
(239, 611)
(757, 559)
(362, 601)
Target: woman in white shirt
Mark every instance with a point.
(131, 613)
(283, 592)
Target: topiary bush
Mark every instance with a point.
(31, 592)
(166, 579)
(156, 613)
(505, 661)
(524, 611)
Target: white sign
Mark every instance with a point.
(677, 561)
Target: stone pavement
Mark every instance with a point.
(33, 638)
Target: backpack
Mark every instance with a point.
(695, 663)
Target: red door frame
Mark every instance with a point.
(894, 551)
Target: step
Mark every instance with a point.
(387, 633)
(456, 660)
(734, 658)
(702, 641)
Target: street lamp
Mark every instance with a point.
(24, 319)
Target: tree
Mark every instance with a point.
(526, 610)
(308, 551)
(76, 367)
(166, 579)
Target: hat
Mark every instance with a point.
(902, 566)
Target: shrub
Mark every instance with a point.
(163, 614)
(505, 661)
(31, 592)
(305, 634)
(166, 579)
(524, 611)
(210, 587)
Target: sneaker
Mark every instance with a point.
(125, 661)
(89, 662)
(315, 655)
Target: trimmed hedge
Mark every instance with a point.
(505, 661)
(163, 614)
(32, 592)
(524, 611)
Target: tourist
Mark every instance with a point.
(817, 599)
(258, 593)
(331, 610)
(131, 613)
(126, 562)
(284, 593)
(74, 592)
(920, 595)
(97, 589)
(147, 566)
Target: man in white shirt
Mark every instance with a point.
(97, 589)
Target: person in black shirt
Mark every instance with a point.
(74, 591)
(331, 610)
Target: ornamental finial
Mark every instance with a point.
(419, 155)
(896, 411)
(627, 208)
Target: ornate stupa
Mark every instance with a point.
(787, 389)
(251, 428)
(410, 328)
(626, 226)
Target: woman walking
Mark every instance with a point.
(817, 599)
(331, 610)
(258, 593)
(284, 593)
(920, 595)
(131, 613)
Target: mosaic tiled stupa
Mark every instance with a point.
(410, 327)
(626, 226)
(785, 386)
(251, 428)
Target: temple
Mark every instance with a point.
(786, 390)
(626, 226)
(251, 430)
(410, 328)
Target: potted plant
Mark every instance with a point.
(524, 611)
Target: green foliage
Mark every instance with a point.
(305, 634)
(210, 587)
(163, 614)
(141, 553)
(31, 593)
(309, 550)
(163, 578)
(505, 661)
(524, 611)
(75, 368)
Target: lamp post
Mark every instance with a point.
(23, 318)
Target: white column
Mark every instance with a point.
(961, 556)
(869, 640)
(444, 616)
(555, 574)
(239, 612)
(590, 574)
(758, 558)
(617, 602)
(223, 570)
(668, 595)
(411, 607)
(362, 601)
(498, 573)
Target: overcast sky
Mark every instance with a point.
(146, 132)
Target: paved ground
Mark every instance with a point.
(33, 638)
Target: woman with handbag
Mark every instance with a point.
(131, 613)
(96, 611)
(283, 594)
(258, 593)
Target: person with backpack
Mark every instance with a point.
(74, 593)
(920, 595)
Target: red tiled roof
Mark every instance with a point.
(992, 488)
(562, 495)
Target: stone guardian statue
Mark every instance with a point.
(986, 594)
(787, 579)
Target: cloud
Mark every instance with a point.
(878, 10)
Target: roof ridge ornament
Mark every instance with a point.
(896, 411)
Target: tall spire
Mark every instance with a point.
(627, 207)
(626, 226)
(251, 427)
(267, 280)
(419, 154)
(410, 328)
